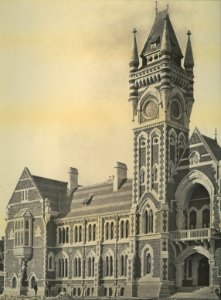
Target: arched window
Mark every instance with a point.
(107, 231)
(107, 266)
(75, 267)
(171, 169)
(127, 229)
(181, 145)
(122, 229)
(59, 235)
(93, 266)
(80, 233)
(14, 283)
(79, 267)
(142, 176)
(122, 265)
(63, 235)
(50, 261)
(33, 282)
(155, 174)
(76, 234)
(148, 220)
(111, 266)
(89, 266)
(193, 218)
(172, 148)
(89, 232)
(94, 232)
(206, 218)
(147, 261)
(112, 230)
(67, 235)
(62, 265)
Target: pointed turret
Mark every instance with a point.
(188, 61)
(165, 44)
(134, 63)
(161, 37)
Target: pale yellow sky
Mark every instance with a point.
(64, 82)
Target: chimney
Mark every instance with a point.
(120, 175)
(73, 183)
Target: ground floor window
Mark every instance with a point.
(14, 282)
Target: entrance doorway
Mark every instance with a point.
(195, 271)
(203, 272)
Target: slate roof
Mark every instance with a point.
(156, 36)
(49, 188)
(54, 190)
(100, 199)
(214, 146)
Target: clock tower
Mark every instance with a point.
(161, 94)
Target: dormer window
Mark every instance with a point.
(154, 42)
(153, 46)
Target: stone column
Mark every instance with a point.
(179, 274)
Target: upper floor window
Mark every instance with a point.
(148, 220)
(24, 195)
(63, 234)
(78, 233)
(109, 230)
(91, 232)
(22, 232)
(124, 229)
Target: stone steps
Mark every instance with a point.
(196, 293)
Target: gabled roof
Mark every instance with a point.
(24, 212)
(100, 199)
(213, 146)
(45, 188)
(156, 34)
(210, 144)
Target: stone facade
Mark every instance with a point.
(141, 238)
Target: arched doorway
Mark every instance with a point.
(203, 272)
(193, 267)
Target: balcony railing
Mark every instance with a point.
(191, 234)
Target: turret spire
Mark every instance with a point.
(134, 63)
(165, 45)
(188, 61)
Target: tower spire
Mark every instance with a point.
(165, 45)
(156, 8)
(134, 63)
(188, 61)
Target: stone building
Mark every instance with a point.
(141, 237)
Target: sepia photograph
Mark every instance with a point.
(110, 133)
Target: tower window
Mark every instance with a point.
(148, 221)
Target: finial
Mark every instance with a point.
(215, 134)
(134, 31)
(156, 8)
(188, 33)
(167, 8)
